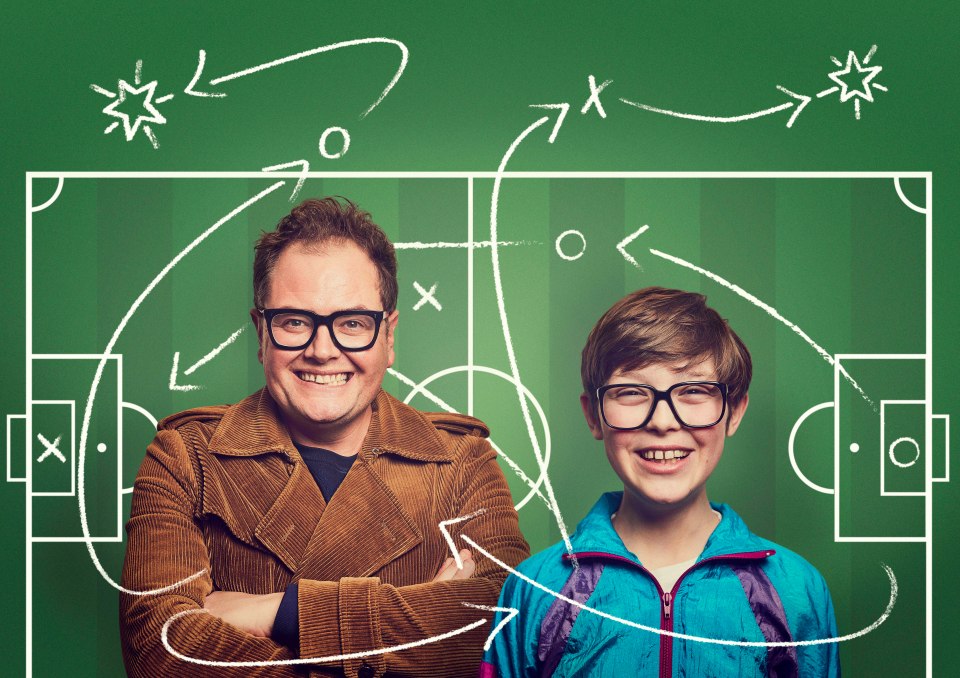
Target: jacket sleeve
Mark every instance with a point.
(165, 545)
(356, 615)
(512, 653)
(820, 660)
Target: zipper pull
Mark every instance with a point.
(666, 605)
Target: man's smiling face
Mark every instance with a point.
(325, 393)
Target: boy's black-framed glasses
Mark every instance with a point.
(695, 404)
(293, 329)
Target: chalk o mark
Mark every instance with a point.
(854, 447)
(904, 200)
(892, 600)
(893, 457)
(101, 447)
(571, 257)
(53, 198)
(793, 459)
(323, 142)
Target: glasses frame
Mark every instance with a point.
(659, 395)
(270, 313)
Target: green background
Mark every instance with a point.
(843, 258)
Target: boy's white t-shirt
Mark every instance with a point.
(668, 575)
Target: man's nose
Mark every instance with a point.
(662, 418)
(322, 347)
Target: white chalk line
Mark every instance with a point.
(825, 92)
(771, 311)
(856, 107)
(138, 72)
(622, 245)
(165, 98)
(790, 450)
(150, 136)
(53, 198)
(112, 126)
(213, 354)
(700, 639)
(879, 87)
(189, 89)
(564, 108)
(594, 98)
(421, 389)
(105, 92)
(866, 59)
(710, 118)
(327, 48)
(442, 525)
(88, 409)
(307, 660)
(304, 171)
(136, 408)
(903, 197)
(460, 245)
(511, 613)
(836, 61)
(511, 355)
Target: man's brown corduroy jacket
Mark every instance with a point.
(223, 491)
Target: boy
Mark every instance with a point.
(665, 381)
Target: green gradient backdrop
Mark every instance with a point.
(842, 258)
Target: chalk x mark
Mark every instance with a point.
(98, 375)
(594, 98)
(405, 55)
(622, 245)
(426, 296)
(894, 590)
(511, 613)
(51, 448)
(164, 638)
(771, 311)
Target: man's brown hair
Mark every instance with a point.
(659, 325)
(316, 222)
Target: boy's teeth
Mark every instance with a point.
(663, 455)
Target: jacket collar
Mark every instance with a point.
(596, 534)
(253, 426)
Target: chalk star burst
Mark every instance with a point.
(140, 117)
(855, 80)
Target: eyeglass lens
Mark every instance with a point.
(695, 404)
(351, 331)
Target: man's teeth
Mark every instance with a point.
(332, 379)
(663, 455)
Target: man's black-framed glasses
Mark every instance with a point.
(293, 329)
(695, 404)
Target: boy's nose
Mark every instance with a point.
(662, 418)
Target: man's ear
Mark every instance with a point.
(590, 414)
(736, 414)
(391, 328)
(257, 323)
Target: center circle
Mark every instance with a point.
(583, 245)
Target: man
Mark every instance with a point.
(302, 522)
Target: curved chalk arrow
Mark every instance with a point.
(803, 99)
(405, 56)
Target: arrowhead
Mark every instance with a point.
(189, 89)
(563, 114)
(446, 534)
(622, 245)
(803, 99)
(511, 612)
(304, 170)
(174, 386)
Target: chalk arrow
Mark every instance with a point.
(446, 534)
(803, 99)
(174, 386)
(563, 114)
(511, 612)
(304, 170)
(405, 56)
(622, 245)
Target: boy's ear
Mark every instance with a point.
(591, 415)
(736, 414)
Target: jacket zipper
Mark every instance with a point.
(668, 598)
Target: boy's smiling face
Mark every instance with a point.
(661, 484)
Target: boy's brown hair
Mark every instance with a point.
(659, 325)
(315, 222)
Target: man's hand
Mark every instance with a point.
(247, 611)
(449, 569)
